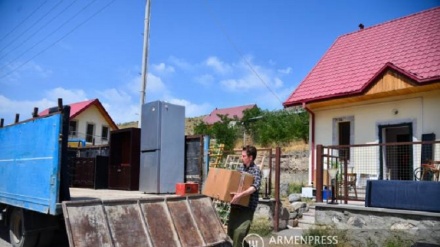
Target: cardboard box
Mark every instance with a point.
(220, 183)
(187, 188)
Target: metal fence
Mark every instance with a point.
(352, 165)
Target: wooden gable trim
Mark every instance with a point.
(380, 92)
(390, 81)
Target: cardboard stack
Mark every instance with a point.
(222, 183)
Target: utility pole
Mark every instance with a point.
(145, 58)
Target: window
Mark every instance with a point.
(90, 132)
(343, 134)
(72, 128)
(104, 133)
(344, 139)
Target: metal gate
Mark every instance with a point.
(165, 221)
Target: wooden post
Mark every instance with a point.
(35, 113)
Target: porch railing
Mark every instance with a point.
(358, 163)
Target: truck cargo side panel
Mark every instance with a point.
(166, 221)
(29, 164)
(126, 224)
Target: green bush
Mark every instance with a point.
(222, 209)
(294, 188)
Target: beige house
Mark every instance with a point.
(379, 84)
(90, 124)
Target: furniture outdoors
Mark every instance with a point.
(215, 154)
(124, 162)
(431, 171)
(234, 160)
(351, 185)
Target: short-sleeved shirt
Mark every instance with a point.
(254, 171)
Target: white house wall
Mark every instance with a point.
(92, 115)
(422, 110)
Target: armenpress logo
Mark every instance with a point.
(254, 240)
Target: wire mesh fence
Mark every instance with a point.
(348, 167)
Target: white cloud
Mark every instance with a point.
(191, 109)
(36, 69)
(68, 95)
(15, 72)
(287, 70)
(205, 80)
(218, 66)
(120, 105)
(277, 82)
(9, 107)
(154, 85)
(162, 68)
(181, 63)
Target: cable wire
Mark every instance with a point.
(58, 40)
(37, 30)
(25, 19)
(21, 34)
(216, 20)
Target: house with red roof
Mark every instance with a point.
(89, 123)
(379, 84)
(231, 112)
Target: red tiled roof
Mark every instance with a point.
(231, 112)
(408, 45)
(77, 108)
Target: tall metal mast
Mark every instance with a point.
(145, 58)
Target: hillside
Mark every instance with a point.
(189, 124)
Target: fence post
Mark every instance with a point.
(277, 188)
(319, 173)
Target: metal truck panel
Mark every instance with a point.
(29, 164)
(164, 221)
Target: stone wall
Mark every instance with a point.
(364, 226)
(294, 169)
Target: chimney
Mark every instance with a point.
(361, 26)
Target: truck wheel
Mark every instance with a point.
(17, 232)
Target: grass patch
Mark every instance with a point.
(294, 188)
(261, 226)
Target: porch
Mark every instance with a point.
(347, 168)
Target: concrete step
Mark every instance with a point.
(308, 219)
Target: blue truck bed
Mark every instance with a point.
(30, 158)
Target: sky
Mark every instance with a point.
(203, 54)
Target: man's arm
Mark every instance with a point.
(239, 195)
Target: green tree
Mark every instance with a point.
(266, 127)
(224, 131)
(280, 127)
(201, 128)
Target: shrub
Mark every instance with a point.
(261, 226)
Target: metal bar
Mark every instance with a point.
(345, 182)
(319, 172)
(277, 188)
(270, 171)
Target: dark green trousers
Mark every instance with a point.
(239, 223)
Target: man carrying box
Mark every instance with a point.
(240, 217)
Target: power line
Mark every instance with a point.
(239, 52)
(58, 40)
(21, 34)
(53, 32)
(25, 19)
